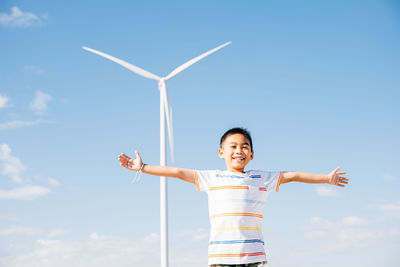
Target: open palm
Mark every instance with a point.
(130, 163)
(335, 178)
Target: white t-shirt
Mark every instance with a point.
(236, 203)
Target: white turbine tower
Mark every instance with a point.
(165, 113)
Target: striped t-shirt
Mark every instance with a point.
(236, 203)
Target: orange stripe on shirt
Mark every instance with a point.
(236, 255)
(228, 187)
(236, 214)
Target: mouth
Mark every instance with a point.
(238, 159)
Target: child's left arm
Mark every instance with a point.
(333, 178)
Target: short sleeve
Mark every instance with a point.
(203, 179)
(272, 180)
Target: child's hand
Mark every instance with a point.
(336, 179)
(129, 163)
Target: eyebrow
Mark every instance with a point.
(234, 143)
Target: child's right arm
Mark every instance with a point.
(167, 171)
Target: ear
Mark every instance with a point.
(251, 155)
(221, 153)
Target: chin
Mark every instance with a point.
(238, 167)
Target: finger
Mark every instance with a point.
(340, 185)
(344, 178)
(137, 154)
(121, 158)
(129, 160)
(341, 173)
(124, 156)
(336, 170)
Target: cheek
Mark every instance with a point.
(251, 155)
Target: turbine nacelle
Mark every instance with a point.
(161, 81)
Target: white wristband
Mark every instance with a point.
(138, 174)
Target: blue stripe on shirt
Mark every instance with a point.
(238, 176)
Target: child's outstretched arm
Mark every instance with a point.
(333, 178)
(167, 171)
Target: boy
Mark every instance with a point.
(235, 197)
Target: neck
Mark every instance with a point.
(236, 170)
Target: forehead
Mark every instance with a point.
(236, 138)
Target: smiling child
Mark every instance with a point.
(236, 197)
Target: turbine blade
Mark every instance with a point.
(168, 116)
(194, 60)
(125, 64)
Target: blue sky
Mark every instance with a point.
(316, 82)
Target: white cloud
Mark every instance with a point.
(57, 232)
(3, 101)
(389, 177)
(18, 230)
(391, 209)
(35, 69)
(353, 221)
(9, 218)
(100, 250)
(30, 231)
(18, 124)
(348, 233)
(28, 192)
(314, 234)
(96, 250)
(316, 222)
(11, 165)
(53, 182)
(19, 19)
(39, 103)
(198, 234)
(326, 191)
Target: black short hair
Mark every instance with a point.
(237, 130)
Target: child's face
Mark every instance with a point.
(236, 152)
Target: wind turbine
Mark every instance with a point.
(165, 114)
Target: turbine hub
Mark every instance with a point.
(161, 83)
